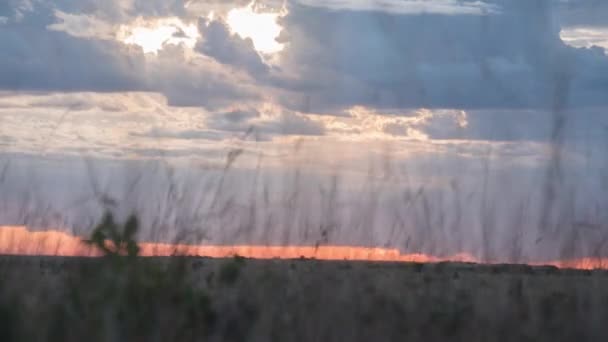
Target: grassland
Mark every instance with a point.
(200, 299)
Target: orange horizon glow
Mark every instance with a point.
(19, 240)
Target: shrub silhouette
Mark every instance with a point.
(126, 298)
(114, 239)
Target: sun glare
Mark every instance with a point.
(262, 28)
(152, 36)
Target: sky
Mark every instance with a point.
(503, 100)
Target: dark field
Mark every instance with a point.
(196, 299)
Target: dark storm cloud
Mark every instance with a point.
(198, 83)
(469, 55)
(514, 59)
(229, 49)
(43, 60)
(583, 125)
(584, 12)
(5, 9)
(35, 57)
(444, 7)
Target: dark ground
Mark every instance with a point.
(198, 299)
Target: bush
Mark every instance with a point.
(122, 297)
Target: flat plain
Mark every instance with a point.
(238, 299)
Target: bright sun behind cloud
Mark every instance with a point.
(151, 36)
(262, 28)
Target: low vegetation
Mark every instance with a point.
(123, 297)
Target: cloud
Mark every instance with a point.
(583, 12)
(493, 59)
(581, 126)
(78, 102)
(38, 59)
(336, 55)
(83, 26)
(6, 140)
(5, 9)
(113, 124)
(511, 59)
(187, 134)
(97, 124)
(239, 120)
(123, 11)
(420, 124)
(82, 101)
(444, 7)
(291, 123)
(440, 124)
(197, 81)
(52, 50)
(269, 120)
(586, 37)
(229, 49)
